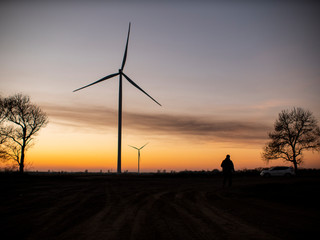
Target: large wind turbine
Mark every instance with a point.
(138, 154)
(120, 73)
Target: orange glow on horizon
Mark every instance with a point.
(94, 152)
(176, 142)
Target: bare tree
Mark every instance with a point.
(294, 132)
(21, 122)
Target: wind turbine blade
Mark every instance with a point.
(143, 146)
(133, 147)
(134, 84)
(126, 50)
(100, 80)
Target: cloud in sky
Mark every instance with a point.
(176, 126)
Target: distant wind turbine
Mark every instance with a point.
(120, 73)
(138, 155)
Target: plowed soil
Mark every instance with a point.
(158, 207)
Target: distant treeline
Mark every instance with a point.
(163, 173)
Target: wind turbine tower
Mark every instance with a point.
(138, 155)
(121, 74)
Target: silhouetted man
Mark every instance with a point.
(227, 170)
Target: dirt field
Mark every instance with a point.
(158, 207)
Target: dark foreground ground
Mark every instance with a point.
(158, 207)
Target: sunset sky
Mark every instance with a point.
(222, 72)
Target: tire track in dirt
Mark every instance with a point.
(71, 206)
(268, 216)
(178, 214)
(121, 216)
(234, 226)
(195, 218)
(141, 224)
